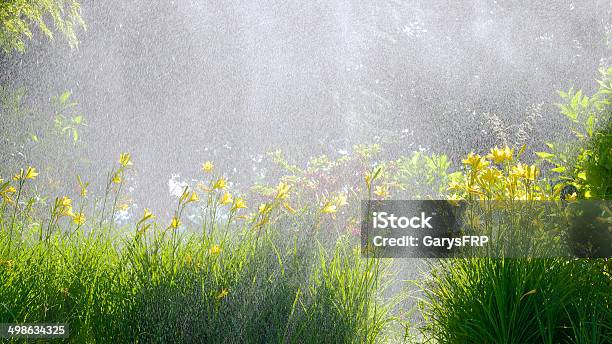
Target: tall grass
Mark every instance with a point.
(489, 300)
(522, 300)
(260, 287)
(258, 280)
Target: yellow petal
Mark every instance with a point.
(208, 167)
(329, 208)
(31, 173)
(125, 159)
(220, 184)
(226, 198)
(239, 203)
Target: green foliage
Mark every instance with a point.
(587, 163)
(14, 137)
(17, 17)
(507, 300)
(159, 290)
(67, 121)
(488, 300)
(416, 176)
(248, 277)
(30, 137)
(421, 175)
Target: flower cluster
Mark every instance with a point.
(497, 176)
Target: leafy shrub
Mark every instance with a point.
(32, 138)
(586, 165)
(17, 17)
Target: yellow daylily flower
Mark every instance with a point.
(239, 203)
(175, 222)
(499, 155)
(226, 198)
(147, 215)
(368, 179)
(31, 173)
(264, 208)
(79, 218)
(208, 167)
(125, 159)
(66, 211)
(329, 208)
(475, 161)
(65, 201)
(282, 190)
(193, 197)
(82, 186)
(490, 176)
(532, 172)
(382, 191)
(220, 184)
(525, 171)
(116, 178)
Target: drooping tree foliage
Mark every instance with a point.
(20, 18)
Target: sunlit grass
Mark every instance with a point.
(509, 300)
(244, 275)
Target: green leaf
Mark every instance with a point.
(590, 124)
(569, 113)
(576, 99)
(521, 151)
(545, 155)
(64, 97)
(562, 94)
(558, 169)
(376, 173)
(585, 101)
